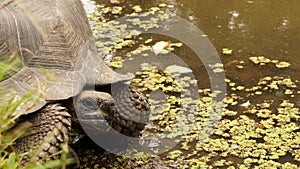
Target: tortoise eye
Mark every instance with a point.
(89, 104)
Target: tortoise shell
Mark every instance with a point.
(56, 51)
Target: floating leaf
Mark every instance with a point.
(174, 154)
(260, 60)
(137, 8)
(282, 64)
(226, 51)
(116, 10)
(159, 46)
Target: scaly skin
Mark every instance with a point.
(50, 127)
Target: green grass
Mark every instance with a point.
(9, 133)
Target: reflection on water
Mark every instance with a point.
(249, 27)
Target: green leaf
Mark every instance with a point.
(10, 162)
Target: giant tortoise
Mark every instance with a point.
(66, 78)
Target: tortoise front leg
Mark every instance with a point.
(49, 129)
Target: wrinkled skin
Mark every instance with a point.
(50, 126)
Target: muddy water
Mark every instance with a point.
(249, 28)
(259, 27)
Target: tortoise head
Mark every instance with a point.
(98, 114)
(94, 110)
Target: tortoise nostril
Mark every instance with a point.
(107, 106)
(112, 104)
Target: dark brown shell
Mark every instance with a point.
(53, 41)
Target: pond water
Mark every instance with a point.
(249, 28)
(260, 27)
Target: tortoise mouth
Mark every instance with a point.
(96, 121)
(96, 115)
(95, 125)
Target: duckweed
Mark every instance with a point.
(262, 60)
(226, 51)
(282, 64)
(137, 8)
(257, 135)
